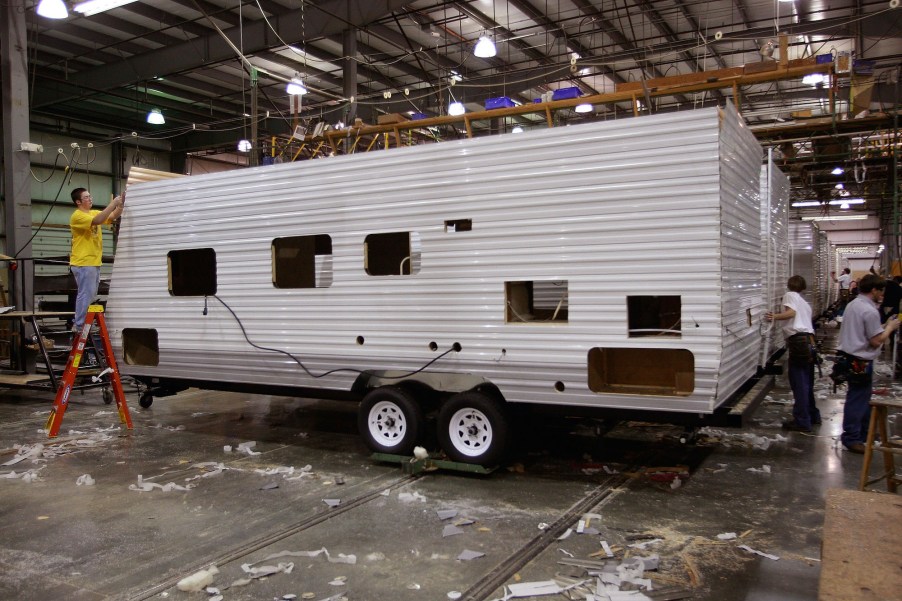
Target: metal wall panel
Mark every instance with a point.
(742, 295)
(659, 205)
(803, 242)
(775, 251)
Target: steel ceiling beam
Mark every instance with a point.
(320, 21)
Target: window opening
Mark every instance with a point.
(458, 225)
(396, 253)
(536, 301)
(192, 272)
(654, 316)
(140, 346)
(649, 371)
(302, 261)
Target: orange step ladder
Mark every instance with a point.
(95, 312)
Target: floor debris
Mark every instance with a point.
(467, 555)
(756, 552)
(144, 486)
(85, 480)
(198, 581)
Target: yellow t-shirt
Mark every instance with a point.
(87, 239)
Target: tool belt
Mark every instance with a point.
(851, 369)
(802, 349)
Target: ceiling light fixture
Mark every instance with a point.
(295, 88)
(844, 205)
(92, 7)
(839, 186)
(517, 130)
(818, 203)
(155, 117)
(814, 79)
(485, 48)
(244, 145)
(583, 108)
(835, 218)
(456, 109)
(52, 9)
(838, 171)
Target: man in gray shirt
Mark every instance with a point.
(861, 336)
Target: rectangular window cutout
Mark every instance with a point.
(302, 262)
(458, 225)
(666, 372)
(140, 346)
(192, 272)
(654, 316)
(396, 253)
(539, 301)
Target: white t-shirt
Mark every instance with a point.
(801, 323)
(844, 281)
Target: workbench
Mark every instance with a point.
(20, 373)
(861, 557)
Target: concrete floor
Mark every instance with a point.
(59, 540)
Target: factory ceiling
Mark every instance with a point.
(218, 68)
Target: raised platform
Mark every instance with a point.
(862, 536)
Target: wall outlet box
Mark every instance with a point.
(29, 147)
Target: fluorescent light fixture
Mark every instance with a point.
(52, 9)
(244, 145)
(295, 88)
(155, 117)
(456, 109)
(583, 108)
(92, 7)
(813, 79)
(844, 205)
(517, 130)
(485, 48)
(835, 203)
(835, 218)
(838, 171)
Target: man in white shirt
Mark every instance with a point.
(845, 283)
(799, 332)
(861, 337)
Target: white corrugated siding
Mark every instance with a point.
(803, 240)
(645, 206)
(776, 251)
(741, 252)
(827, 290)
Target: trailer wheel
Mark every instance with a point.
(390, 420)
(473, 428)
(146, 400)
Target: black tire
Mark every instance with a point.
(146, 400)
(473, 427)
(390, 420)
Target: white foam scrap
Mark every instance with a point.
(143, 486)
(26, 476)
(197, 581)
(726, 536)
(248, 448)
(756, 552)
(410, 497)
(340, 558)
(26, 451)
(85, 480)
(227, 448)
(607, 548)
(642, 545)
(764, 469)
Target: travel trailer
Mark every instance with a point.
(610, 266)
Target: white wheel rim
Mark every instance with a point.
(470, 432)
(387, 424)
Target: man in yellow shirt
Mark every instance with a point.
(87, 248)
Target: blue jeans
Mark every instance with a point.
(857, 413)
(801, 379)
(88, 281)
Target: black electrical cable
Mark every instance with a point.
(454, 348)
(50, 210)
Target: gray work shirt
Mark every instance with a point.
(860, 323)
